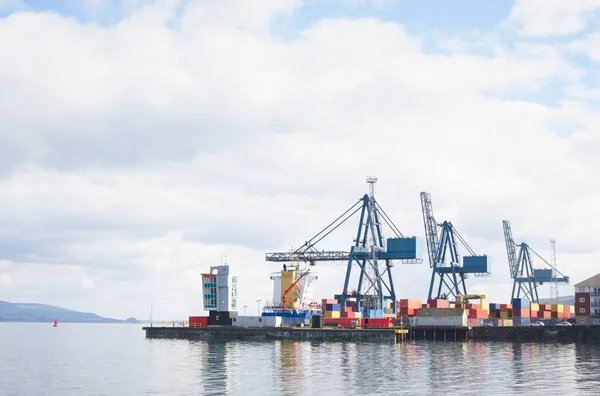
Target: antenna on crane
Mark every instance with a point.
(554, 289)
(371, 181)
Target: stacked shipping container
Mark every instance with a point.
(521, 312)
(406, 307)
(330, 308)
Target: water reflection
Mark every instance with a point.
(414, 368)
(586, 373)
(289, 360)
(117, 360)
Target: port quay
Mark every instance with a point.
(370, 310)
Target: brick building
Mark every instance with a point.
(587, 301)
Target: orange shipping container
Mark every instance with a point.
(407, 303)
(438, 303)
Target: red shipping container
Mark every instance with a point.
(379, 322)
(405, 312)
(348, 309)
(198, 321)
(521, 313)
(344, 322)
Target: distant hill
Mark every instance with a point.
(28, 312)
(568, 300)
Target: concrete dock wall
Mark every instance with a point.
(248, 333)
(579, 334)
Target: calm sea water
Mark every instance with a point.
(79, 359)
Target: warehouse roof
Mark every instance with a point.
(441, 312)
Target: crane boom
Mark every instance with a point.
(430, 227)
(510, 248)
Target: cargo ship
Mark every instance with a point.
(293, 295)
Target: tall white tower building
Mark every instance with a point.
(220, 289)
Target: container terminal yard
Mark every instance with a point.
(369, 309)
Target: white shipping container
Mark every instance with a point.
(256, 321)
(441, 317)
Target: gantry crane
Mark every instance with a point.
(373, 254)
(442, 239)
(525, 278)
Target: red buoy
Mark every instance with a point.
(56, 323)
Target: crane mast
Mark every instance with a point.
(448, 271)
(554, 291)
(525, 277)
(373, 254)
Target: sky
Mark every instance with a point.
(141, 140)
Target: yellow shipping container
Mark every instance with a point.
(572, 309)
(452, 305)
(533, 307)
(332, 314)
(503, 314)
(507, 322)
(485, 306)
(558, 308)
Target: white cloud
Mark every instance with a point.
(552, 17)
(134, 155)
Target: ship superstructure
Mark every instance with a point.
(293, 290)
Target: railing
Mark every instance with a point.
(170, 324)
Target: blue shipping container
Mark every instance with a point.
(403, 248)
(332, 307)
(475, 264)
(520, 303)
(542, 275)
